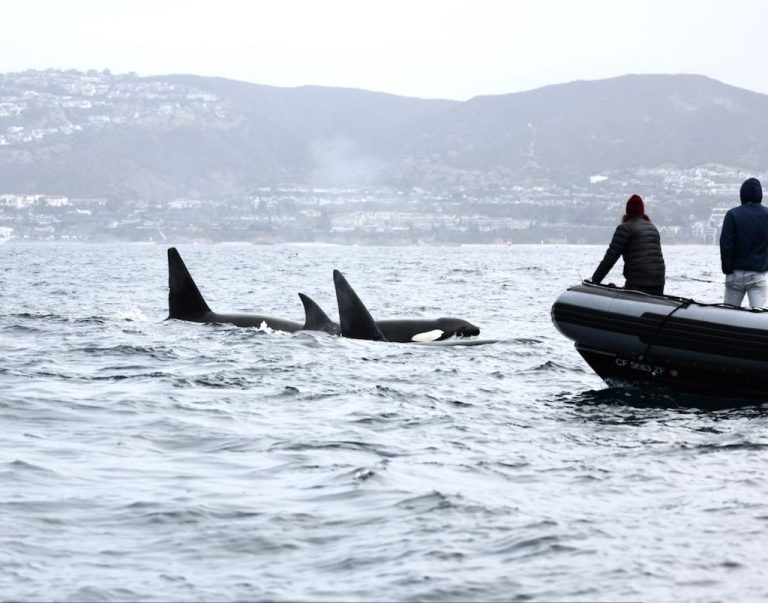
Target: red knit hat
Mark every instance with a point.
(635, 206)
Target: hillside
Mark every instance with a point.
(97, 134)
(582, 128)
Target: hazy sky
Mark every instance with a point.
(428, 48)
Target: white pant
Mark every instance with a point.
(752, 283)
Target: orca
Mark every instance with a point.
(356, 322)
(185, 302)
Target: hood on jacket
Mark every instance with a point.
(751, 191)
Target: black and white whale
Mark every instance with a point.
(185, 302)
(356, 322)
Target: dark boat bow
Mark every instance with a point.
(632, 337)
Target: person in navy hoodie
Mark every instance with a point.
(744, 248)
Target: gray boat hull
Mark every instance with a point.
(631, 337)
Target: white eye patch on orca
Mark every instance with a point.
(433, 335)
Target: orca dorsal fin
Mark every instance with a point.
(184, 298)
(356, 321)
(315, 319)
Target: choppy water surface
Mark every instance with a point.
(155, 460)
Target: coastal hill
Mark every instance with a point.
(98, 134)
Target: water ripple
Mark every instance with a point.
(152, 459)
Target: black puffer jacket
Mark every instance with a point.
(638, 241)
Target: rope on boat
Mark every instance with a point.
(685, 302)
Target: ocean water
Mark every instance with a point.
(145, 459)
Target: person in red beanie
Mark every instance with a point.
(638, 241)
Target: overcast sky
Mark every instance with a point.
(427, 48)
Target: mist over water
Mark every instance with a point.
(160, 460)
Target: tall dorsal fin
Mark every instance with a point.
(315, 319)
(184, 298)
(356, 321)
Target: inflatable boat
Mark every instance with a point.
(632, 337)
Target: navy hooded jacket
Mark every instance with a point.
(744, 238)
